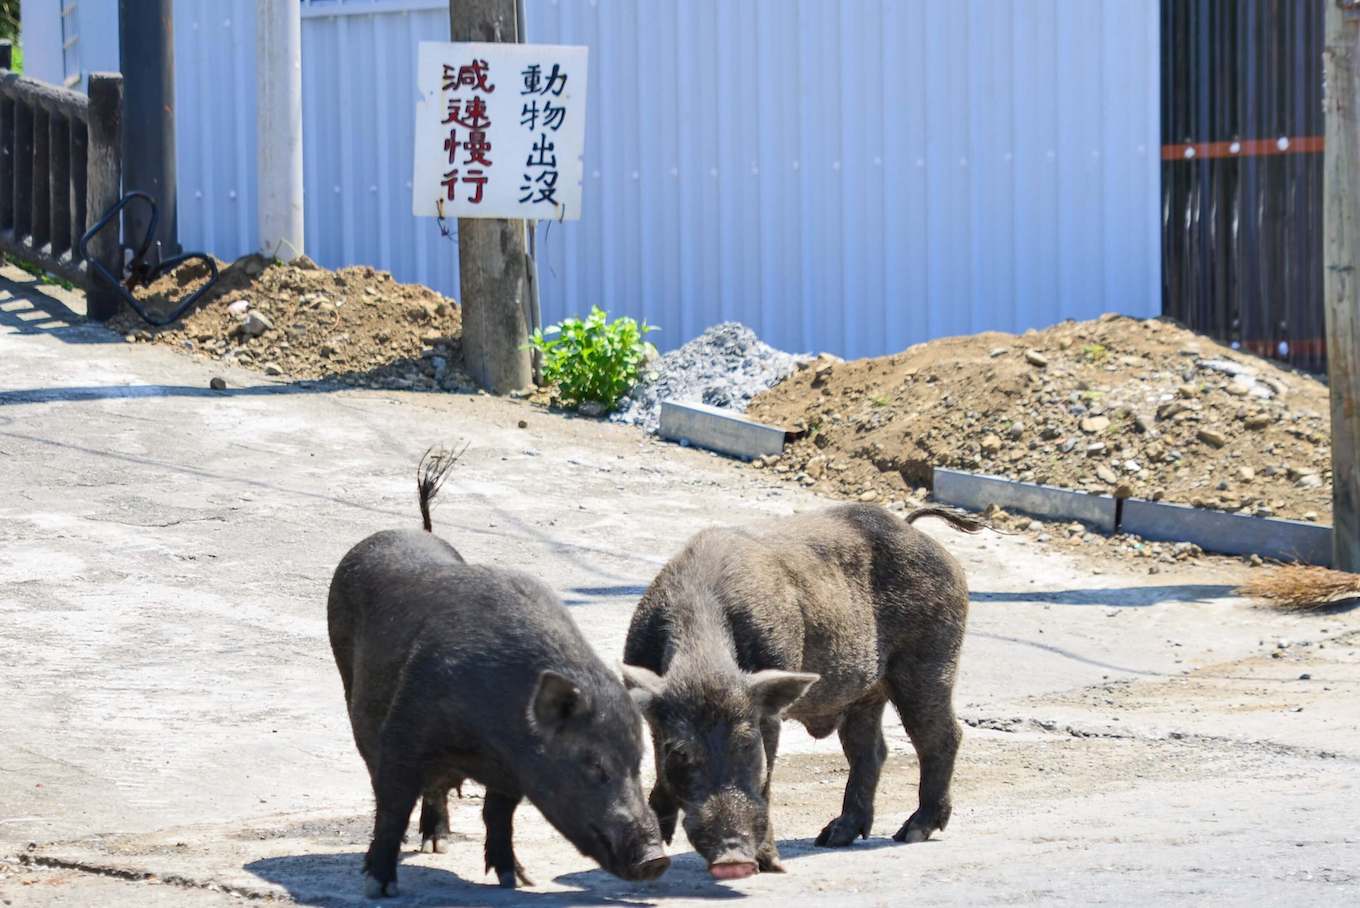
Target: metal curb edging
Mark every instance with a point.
(1213, 531)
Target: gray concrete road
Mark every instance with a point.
(172, 729)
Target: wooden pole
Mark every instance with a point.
(492, 254)
(104, 182)
(1341, 283)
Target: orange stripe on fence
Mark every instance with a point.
(1243, 148)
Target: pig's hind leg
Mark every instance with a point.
(861, 734)
(923, 693)
(498, 812)
(396, 786)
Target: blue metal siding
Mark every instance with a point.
(852, 177)
(860, 176)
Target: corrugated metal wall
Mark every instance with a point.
(1242, 172)
(851, 177)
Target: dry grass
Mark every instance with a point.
(1300, 587)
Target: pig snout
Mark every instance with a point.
(736, 861)
(725, 831)
(632, 848)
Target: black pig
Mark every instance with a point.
(455, 671)
(824, 618)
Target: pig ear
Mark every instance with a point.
(644, 684)
(556, 700)
(774, 691)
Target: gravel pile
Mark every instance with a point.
(725, 367)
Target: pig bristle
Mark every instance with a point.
(431, 472)
(956, 519)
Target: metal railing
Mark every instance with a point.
(61, 169)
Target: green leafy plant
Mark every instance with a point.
(594, 360)
(1094, 353)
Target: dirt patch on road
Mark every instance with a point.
(354, 325)
(1134, 408)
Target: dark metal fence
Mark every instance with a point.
(60, 170)
(1242, 173)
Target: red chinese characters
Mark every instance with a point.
(468, 121)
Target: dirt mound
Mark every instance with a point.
(1118, 405)
(355, 325)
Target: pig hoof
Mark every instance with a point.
(433, 845)
(376, 890)
(507, 878)
(768, 862)
(841, 832)
(911, 834)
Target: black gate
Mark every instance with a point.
(1242, 173)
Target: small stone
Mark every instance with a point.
(1141, 424)
(256, 324)
(868, 495)
(1095, 448)
(1035, 358)
(1106, 474)
(1123, 490)
(272, 368)
(1308, 481)
(240, 307)
(217, 384)
(1016, 430)
(1093, 425)
(1310, 515)
(1246, 474)
(591, 408)
(524, 424)
(996, 351)
(1212, 438)
(1305, 677)
(990, 444)
(1187, 391)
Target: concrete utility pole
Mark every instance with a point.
(1341, 282)
(146, 44)
(493, 261)
(278, 72)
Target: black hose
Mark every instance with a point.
(139, 271)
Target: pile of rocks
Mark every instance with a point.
(725, 367)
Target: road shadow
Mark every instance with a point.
(336, 880)
(798, 849)
(1115, 597)
(27, 309)
(121, 392)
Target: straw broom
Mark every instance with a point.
(1299, 587)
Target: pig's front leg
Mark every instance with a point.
(434, 820)
(767, 856)
(662, 801)
(498, 812)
